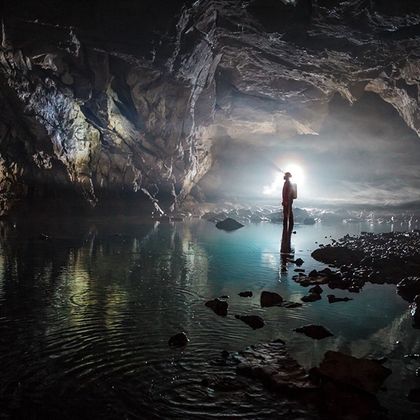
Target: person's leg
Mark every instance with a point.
(286, 217)
(291, 220)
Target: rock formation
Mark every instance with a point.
(128, 100)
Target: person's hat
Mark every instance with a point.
(287, 175)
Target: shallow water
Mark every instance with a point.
(85, 316)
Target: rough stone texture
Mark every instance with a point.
(100, 101)
(364, 374)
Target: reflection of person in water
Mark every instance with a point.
(288, 195)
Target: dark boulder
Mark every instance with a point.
(270, 299)
(218, 306)
(317, 332)
(229, 224)
(178, 340)
(254, 321)
(364, 374)
(408, 288)
(247, 293)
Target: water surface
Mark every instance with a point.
(86, 312)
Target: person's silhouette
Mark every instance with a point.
(287, 203)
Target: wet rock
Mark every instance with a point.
(415, 312)
(246, 294)
(272, 365)
(299, 262)
(363, 374)
(333, 299)
(299, 270)
(229, 225)
(224, 297)
(178, 340)
(317, 332)
(254, 321)
(270, 299)
(408, 288)
(316, 289)
(218, 306)
(311, 297)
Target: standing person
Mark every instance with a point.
(288, 195)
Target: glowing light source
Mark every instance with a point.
(298, 177)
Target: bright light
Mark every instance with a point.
(276, 186)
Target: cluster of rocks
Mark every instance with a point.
(341, 387)
(392, 258)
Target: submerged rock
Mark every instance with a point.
(178, 340)
(270, 299)
(218, 306)
(245, 294)
(364, 374)
(317, 332)
(333, 299)
(254, 321)
(229, 224)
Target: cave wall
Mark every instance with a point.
(103, 101)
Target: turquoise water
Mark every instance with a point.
(86, 313)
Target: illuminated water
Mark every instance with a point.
(85, 317)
